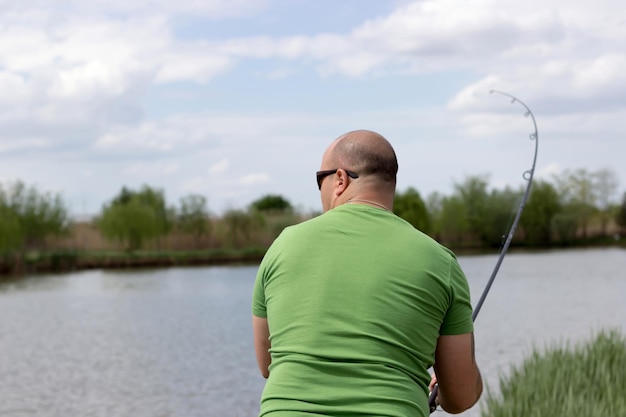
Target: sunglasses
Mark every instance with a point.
(323, 174)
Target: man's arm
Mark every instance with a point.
(460, 383)
(262, 344)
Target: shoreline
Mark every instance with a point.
(56, 261)
(67, 261)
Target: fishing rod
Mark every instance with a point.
(528, 176)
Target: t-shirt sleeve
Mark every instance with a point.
(458, 318)
(265, 273)
(258, 294)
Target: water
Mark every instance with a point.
(177, 342)
(173, 342)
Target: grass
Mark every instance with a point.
(586, 380)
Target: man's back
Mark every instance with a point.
(355, 301)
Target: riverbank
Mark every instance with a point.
(52, 261)
(73, 260)
(63, 261)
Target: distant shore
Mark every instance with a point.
(64, 261)
(72, 260)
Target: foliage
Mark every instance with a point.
(271, 203)
(193, 216)
(473, 216)
(585, 381)
(605, 183)
(621, 214)
(474, 197)
(452, 221)
(240, 225)
(28, 217)
(500, 213)
(410, 206)
(487, 215)
(578, 192)
(543, 204)
(10, 233)
(565, 224)
(134, 217)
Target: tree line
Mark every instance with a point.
(577, 206)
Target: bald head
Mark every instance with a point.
(366, 153)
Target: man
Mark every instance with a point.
(351, 308)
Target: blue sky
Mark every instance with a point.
(235, 99)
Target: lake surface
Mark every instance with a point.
(177, 342)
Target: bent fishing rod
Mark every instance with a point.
(528, 176)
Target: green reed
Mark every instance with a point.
(585, 380)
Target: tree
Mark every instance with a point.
(621, 214)
(410, 206)
(543, 204)
(565, 224)
(271, 203)
(29, 216)
(434, 207)
(133, 217)
(474, 196)
(579, 195)
(193, 216)
(11, 236)
(500, 212)
(239, 227)
(605, 183)
(453, 224)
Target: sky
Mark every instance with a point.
(238, 99)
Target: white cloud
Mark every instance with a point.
(604, 72)
(207, 8)
(94, 64)
(280, 73)
(220, 166)
(199, 66)
(171, 168)
(14, 89)
(253, 179)
(23, 143)
(74, 80)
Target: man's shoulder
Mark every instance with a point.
(297, 230)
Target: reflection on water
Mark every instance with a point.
(177, 342)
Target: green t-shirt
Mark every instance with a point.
(355, 300)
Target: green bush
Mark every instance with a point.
(588, 380)
(134, 217)
(28, 217)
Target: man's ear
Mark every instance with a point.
(341, 182)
